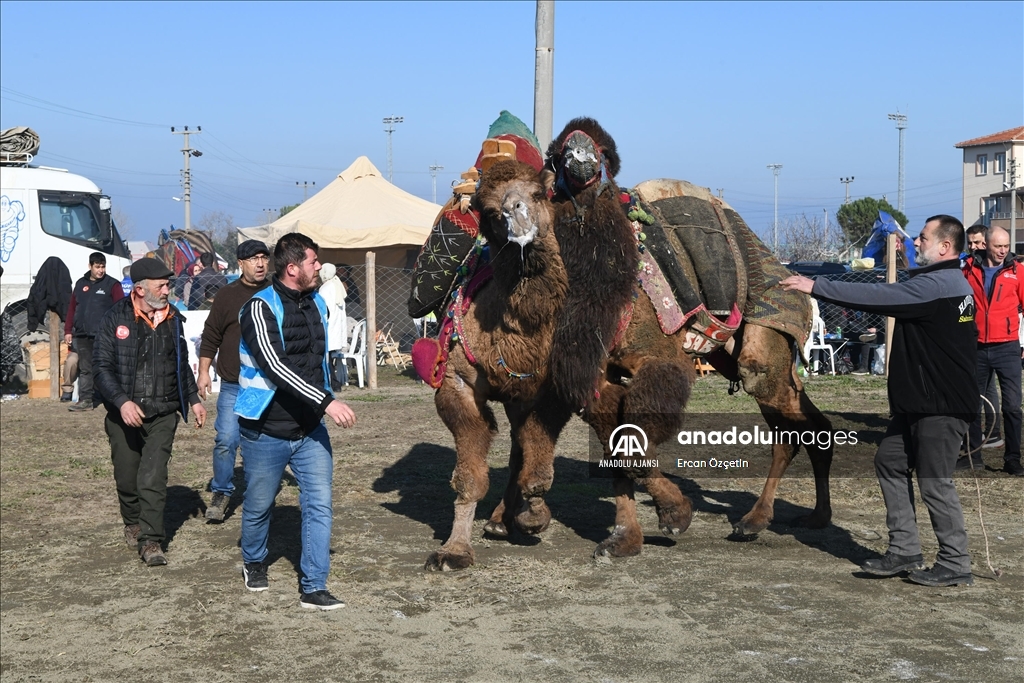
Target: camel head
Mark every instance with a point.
(580, 153)
(513, 204)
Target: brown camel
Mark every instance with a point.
(522, 328)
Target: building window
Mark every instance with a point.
(981, 165)
(999, 163)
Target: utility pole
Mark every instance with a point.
(1013, 204)
(305, 188)
(826, 218)
(847, 181)
(721, 191)
(268, 216)
(434, 168)
(186, 173)
(901, 125)
(544, 73)
(775, 171)
(389, 123)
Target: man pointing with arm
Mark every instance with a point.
(284, 393)
(933, 396)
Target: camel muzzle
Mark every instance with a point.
(522, 228)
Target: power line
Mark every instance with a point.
(70, 111)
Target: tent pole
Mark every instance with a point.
(371, 320)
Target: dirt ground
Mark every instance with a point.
(790, 605)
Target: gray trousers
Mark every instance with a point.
(930, 446)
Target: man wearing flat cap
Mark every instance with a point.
(143, 376)
(220, 342)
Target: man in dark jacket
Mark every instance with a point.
(144, 379)
(95, 292)
(933, 395)
(221, 336)
(285, 390)
(206, 283)
(997, 280)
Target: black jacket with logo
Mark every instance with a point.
(123, 370)
(934, 344)
(91, 300)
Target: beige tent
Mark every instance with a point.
(358, 211)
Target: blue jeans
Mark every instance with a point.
(264, 459)
(225, 443)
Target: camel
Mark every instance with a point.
(531, 337)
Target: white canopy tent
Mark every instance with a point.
(358, 211)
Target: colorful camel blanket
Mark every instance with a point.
(701, 265)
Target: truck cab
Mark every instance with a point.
(50, 212)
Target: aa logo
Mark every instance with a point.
(628, 441)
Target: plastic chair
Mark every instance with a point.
(817, 342)
(356, 351)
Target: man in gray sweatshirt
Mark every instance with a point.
(933, 396)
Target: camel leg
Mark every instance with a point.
(627, 538)
(768, 373)
(502, 518)
(471, 422)
(537, 430)
(654, 401)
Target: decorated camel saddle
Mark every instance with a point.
(704, 268)
(453, 263)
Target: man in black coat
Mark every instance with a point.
(144, 379)
(933, 396)
(95, 292)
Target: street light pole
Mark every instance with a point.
(434, 168)
(389, 123)
(775, 171)
(901, 125)
(186, 173)
(847, 181)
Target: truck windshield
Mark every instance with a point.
(77, 217)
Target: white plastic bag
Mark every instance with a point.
(878, 364)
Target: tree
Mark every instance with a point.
(809, 239)
(286, 209)
(857, 218)
(222, 230)
(125, 224)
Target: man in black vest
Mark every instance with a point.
(95, 292)
(144, 379)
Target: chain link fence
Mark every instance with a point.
(14, 373)
(852, 323)
(392, 293)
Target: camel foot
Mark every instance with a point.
(752, 524)
(676, 519)
(818, 519)
(496, 529)
(534, 517)
(456, 557)
(622, 543)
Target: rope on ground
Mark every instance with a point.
(977, 488)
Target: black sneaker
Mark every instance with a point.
(66, 397)
(217, 507)
(1013, 468)
(255, 574)
(892, 564)
(994, 442)
(938, 575)
(965, 463)
(321, 600)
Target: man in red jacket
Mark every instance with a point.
(998, 283)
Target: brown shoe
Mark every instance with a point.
(131, 536)
(151, 554)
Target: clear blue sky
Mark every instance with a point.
(707, 92)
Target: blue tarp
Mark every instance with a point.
(884, 226)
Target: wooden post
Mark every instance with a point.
(55, 339)
(890, 277)
(371, 320)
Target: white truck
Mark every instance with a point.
(47, 212)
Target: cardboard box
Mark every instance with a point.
(39, 388)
